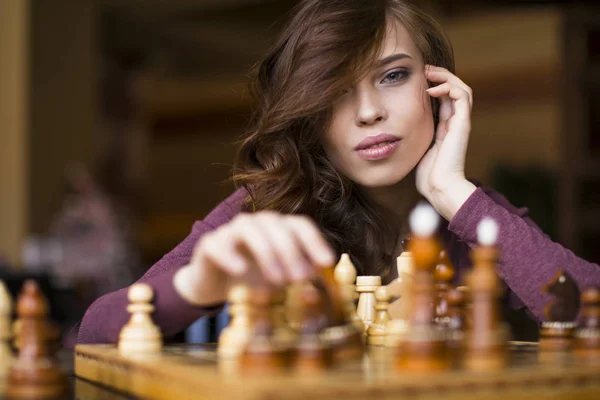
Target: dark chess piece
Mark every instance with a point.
(312, 353)
(443, 275)
(556, 332)
(342, 333)
(587, 335)
(424, 347)
(264, 353)
(35, 374)
(487, 336)
(455, 324)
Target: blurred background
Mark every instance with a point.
(118, 117)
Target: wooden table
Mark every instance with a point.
(190, 371)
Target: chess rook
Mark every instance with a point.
(140, 337)
(486, 339)
(424, 348)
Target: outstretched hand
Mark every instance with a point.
(264, 247)
(441, 173)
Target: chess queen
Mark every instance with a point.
(359, 116)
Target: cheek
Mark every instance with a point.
(417, 115)
(424, 112)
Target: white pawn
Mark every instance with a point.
(344, 274)
(366, 286)
(140, 336)
(377, 330)
(6, 308)
(400, 287)
(235, 336)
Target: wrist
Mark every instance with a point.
(448, 200)
(197, 290)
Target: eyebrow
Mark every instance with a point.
(392, 58)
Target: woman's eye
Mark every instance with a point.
(395, 76)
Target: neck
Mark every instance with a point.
(397, 200)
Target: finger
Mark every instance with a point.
(287, 248)
(220, 252)
(250, 237)
(313, 243)
(439, 74)
(454, 92)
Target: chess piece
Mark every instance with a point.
(399, 288)
(400, 309)
(345, 276)
(455, 323)
(140, 337)
(285, 334)
(264, 353)
(312, 353)
(424, 347)
(443, 275)
(365, 286)
(344, 272)
(234, 337)
(35, 373)
(587, 335)
(343, 333)
(486, 339)
(6, 307)
(376, 332)
(556, 332)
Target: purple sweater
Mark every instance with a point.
(529, 259)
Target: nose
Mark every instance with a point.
(370, 108)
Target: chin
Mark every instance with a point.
(381, 177)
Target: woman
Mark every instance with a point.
(359, 117)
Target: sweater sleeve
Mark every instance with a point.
(104, 319)
(529, 258)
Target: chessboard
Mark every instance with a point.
(338, 335)
(196, 371)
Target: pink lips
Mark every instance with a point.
(377, 147)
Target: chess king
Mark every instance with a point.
(359, 116)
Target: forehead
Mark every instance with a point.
(398, 40)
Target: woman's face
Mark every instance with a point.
(382, 127)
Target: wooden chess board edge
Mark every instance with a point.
(154, 378)
(167, 377)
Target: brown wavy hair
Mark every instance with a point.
(327, 46)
